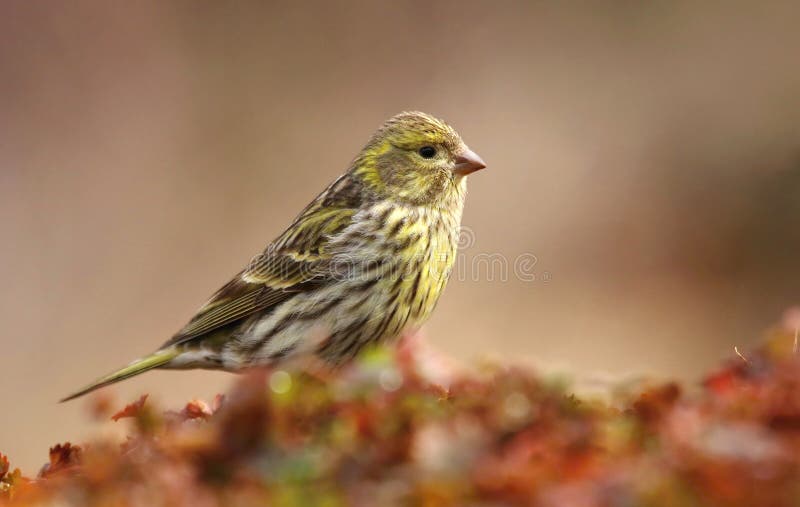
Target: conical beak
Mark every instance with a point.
(468, 162)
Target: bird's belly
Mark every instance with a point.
(336, 322)
(387, 289)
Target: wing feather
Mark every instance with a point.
(295, 262)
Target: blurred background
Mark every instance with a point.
(646, 153)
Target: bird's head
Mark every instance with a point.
(417, 159)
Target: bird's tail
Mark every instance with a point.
(154, 360)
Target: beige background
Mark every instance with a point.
(647, 153)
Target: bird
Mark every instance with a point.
(364, 263)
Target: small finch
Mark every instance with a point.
(364, 263)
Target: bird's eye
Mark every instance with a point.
(427, 152)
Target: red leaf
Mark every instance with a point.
(62, 457)
(130, 410)
(197, 409)
(654, 403)
(721, 382)
(3, 466)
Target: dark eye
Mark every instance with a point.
(427, 152)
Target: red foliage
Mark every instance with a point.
(62, 458)
(130, 410)
(384, 432)
(653, 404)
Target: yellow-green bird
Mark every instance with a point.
(365, 262)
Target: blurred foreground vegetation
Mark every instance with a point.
(385, 432)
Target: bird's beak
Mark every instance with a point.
(468, 162)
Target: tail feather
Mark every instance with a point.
(154, 360)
